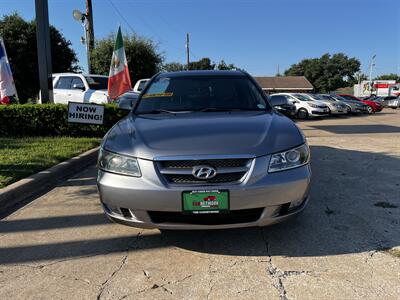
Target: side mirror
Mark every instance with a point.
(277, 101)
(127, 102)
(78, 86)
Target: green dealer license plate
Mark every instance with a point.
(205, 202)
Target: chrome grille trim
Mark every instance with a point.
(229, 170)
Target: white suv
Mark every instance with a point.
(72, 87)
(305, 107)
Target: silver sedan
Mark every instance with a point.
(203, 150)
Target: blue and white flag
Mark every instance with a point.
(7, 86)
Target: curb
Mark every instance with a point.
(26, 188)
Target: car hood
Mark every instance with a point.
(371, 103)
(238, 133)
(319, 102)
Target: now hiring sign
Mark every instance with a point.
(85, 113)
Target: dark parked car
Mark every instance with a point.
(283, 105)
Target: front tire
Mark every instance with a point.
(370, 109)
(302, 114)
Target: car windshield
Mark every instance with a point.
(302, 97)
(316, 97)
(340, 98)
(326, 97)
(201, 93)
(97, 82)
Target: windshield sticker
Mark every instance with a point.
(156, 95)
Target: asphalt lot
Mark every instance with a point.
(346, 244)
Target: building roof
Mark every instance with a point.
(284, 83)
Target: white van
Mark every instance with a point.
(305, 107)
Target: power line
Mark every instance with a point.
(144, 23)
(122, 16)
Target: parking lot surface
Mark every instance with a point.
(346, 244)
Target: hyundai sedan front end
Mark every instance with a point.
(203, 150)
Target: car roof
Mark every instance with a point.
(202, 73)
(72, 73)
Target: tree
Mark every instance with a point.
(390, 76)
(20, 40)
(202, 64)
(143, 59)
(173, 67)
(327, 73)
(223, 66)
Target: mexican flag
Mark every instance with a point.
(119, 81)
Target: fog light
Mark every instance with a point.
(295, 203)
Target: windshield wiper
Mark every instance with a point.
(158, 111)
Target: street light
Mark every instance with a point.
(83, 18)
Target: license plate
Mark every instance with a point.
(205, 202)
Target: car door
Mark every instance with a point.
(77, 90)
(62, 89)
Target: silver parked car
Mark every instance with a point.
(335, 108)
(203, 150)
(394, 103)
(352, 106)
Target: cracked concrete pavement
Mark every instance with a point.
(344, 245)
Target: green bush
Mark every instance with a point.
(52, 120)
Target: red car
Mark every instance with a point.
(372, 106)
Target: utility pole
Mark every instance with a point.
(187, 51)
(89, 32)
(44, 51)
(370, 72)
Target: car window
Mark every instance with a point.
(279, 97)
(64, 82)
(97, 82)
(77, 81)
(302, 97)
(201, 92)
(291, 99)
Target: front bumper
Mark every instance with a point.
(359, 109)
(338, 110)
(319, 112)
(131, 201)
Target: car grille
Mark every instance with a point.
(228, 170)
(233, 217)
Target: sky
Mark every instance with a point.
(255, 35)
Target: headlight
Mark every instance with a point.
(313, 105)
(289, 159)
(119, 164)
